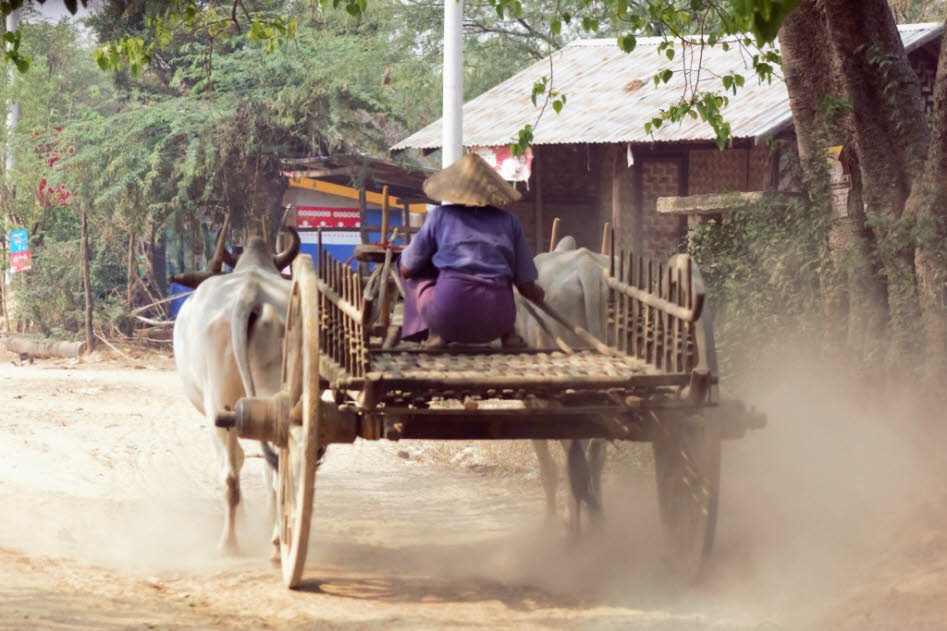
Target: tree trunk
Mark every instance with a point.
(802, 46)
(197, 244)
(160, 278)
(43, 348)
(86, 257)
(853, 292)
(274, 214)
(155, 251)
(928, 205)
(863, 62)
(131, 271)
(890, 140)
(3, 284)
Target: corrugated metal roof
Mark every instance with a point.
(610, 95)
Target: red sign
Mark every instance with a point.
(316, 216)
(21, 261)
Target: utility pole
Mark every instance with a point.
(13, 114)
(13, 117)
(452, 141)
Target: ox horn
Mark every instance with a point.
(286, 257)
(221, 253)
(191, 279)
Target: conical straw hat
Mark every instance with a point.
(472, 182)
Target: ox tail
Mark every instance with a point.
(247, 310)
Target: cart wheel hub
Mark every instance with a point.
(260, 418)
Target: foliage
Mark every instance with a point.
(199, 127)
(765, 267)
(50, 295)
(684, 25)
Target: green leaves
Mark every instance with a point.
(558, 101)
(663, 77)
(762, 18)
(524, 139)
(733, 81)
(11, 51)
(539, 89)
(273, 32)
(128, 52)
(627, 42)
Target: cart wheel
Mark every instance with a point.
(299, 458)
(687, 468)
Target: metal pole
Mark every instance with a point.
(452, 135)
(13, 117)
(13, 114)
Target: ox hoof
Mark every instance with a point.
(228, 547)
(276, 557)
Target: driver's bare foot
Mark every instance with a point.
(435, 341)
(512, 340)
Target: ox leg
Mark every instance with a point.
(548, 476)
(269, 486)
(231, 461)
(596, 460)
(578, 470)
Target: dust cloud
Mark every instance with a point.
(810, 506)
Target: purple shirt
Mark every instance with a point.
(482, 241)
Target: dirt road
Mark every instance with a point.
(110, 514)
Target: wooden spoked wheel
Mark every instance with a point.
(299, 458)
(687, 468)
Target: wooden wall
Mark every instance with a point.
(586, 185)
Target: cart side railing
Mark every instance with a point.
(345, 307)
(656, 313)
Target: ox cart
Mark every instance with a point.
(346, 375)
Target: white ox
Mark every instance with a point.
(228, 345)
(573, 281)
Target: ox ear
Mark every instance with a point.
(286, 257)
(565, 244)
(191, 279)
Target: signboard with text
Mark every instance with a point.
(322, 216)
(20, 257)
(19, 241)
(21, 261)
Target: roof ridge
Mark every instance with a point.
(649, 40)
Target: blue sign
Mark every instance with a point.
(19, 242)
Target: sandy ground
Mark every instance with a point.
(110, 511)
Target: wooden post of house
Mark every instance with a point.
(406, 222)
(363, 222)
(618, 222)
(538, 198)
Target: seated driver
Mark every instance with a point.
(459, 271)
